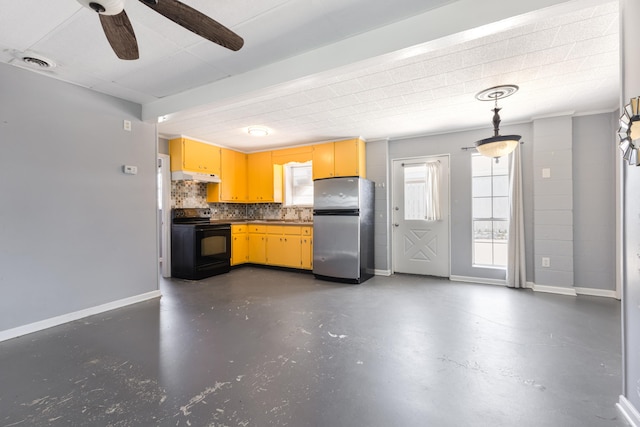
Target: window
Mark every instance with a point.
(422, 191)
(298, 183)
(490, 195)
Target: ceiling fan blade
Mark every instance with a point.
(196, 22)
(120, 35)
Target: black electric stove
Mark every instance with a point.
(199, 248)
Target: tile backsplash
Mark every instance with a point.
(188, 194)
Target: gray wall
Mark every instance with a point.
(163, 146)
(553, 201)
(589, 216)
(594, 199)
(75, 232)
(377, 171)
(460, 188)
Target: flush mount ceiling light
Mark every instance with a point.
(629, 131)
(497, 145)
(257, 131)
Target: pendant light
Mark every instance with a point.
(497, 145)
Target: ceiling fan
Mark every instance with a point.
(119, 31)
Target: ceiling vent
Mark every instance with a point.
(34, 61)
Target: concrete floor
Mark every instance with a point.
(260, 347)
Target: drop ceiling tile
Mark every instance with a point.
(444, 64)
(429, 83)
(583, 30)
(608, 43)
(464, 74)
(419, 98)
(344, 101)
(408, 72)
(601, 59)
(486, 53)
(565, 19)
(175, 74)
(503, 66)
(347, 87)
(392, 102)
(549, 56)
(24, 22)
(532, 42)
(371, 95)
(448, 91)
(377, 80)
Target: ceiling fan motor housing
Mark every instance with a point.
(104, 7)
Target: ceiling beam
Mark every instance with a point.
(445, 26)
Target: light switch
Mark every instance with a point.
(546, 262)
(546, 172)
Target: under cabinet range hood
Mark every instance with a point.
(194, 176)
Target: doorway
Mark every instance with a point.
(164, 211)
(420, 215)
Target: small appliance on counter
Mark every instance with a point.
(199, 248)
(343, 229)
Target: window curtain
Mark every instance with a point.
(516, 262)
(432, 212)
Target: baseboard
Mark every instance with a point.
(70, 317)
(483, 281)
(558, 290)
(382, 272)
(597, 292)
(629, 412)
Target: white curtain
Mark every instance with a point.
(433, 191)
(516, 262)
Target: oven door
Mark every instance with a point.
(213, 245)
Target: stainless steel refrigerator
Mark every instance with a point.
(343, 229)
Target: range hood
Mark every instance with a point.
(194, 176)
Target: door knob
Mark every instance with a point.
(396, 225)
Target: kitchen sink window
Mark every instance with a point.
(490, 195)
(298, 183)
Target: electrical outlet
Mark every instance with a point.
(546, 262)
(127, 125)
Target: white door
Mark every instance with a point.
(164, 211)
(421, 216)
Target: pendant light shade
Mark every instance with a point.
(498, 145)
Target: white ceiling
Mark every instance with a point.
(317, 70)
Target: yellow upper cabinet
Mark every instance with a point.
(264, 178)
(323, 160)
(350, 158)
(194, 156)
(341, 158)
(233, 174)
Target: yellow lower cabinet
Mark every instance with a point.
(284, 246)
(257, 244)
(275, 244)
(306, 248)
(239, 244)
